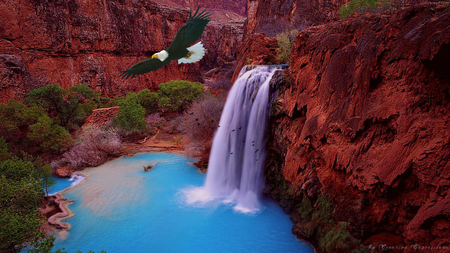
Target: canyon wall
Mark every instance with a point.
(273, 16)
(222, 9)
(90, 42)
(363, 118)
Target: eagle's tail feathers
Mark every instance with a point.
(196, 51)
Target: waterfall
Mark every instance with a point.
(235, 171)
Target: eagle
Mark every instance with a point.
(180, 49)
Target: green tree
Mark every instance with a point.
(148, 100)
(20, 195)
(48, 135)
(177, 95)
(285, 41)
(69, 107)
(130, 117)
(15, 115)
(4, 151)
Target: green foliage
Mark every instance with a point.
(82, 93)
(338, 239)
(15, 115)
(324, 210)
(285, 41)
(22, 184)
(359, 6)
(42, 169)
(177, 95)
(306, 209)
(130, 117)
(148, 100)
(69, 107)
(115, 101)
(48, 135)
(317, 223)
(20, 195)
(4, 151)
(145, 98)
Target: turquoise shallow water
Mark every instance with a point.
(121, 208)
(64, 183)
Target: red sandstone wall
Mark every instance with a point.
(367, 119)
(90, 42)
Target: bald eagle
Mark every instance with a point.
(180, 49)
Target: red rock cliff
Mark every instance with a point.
(90, 42)
(365, 118)
(273, 16)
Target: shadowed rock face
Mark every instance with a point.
(274, 16)
(90, 42)
(365, 118)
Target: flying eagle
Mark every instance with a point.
(180, 49)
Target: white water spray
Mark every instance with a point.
(235, 170)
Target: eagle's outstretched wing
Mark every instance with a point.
(142, 67)
(191, 31)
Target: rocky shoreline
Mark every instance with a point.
(55, 207)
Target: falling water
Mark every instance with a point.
(235, 171)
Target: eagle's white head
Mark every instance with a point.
(162, 56)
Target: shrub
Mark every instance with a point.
(338, 239)
(200, 122)
(285, 41)
(177, 95)
(359, 6)
(130, 117)
(20, 196)
(154, 120)
(4, 151)
(115, 101)
(69, 107)
(94, 147)
(15, 115)
(173, 126)
(147, 99)
(48, 135)
(306, 209)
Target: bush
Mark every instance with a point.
(4, 151)
(146, 98)
(69, 107)
(285, 41)
(94, 147)
(154, 120)
(15, 116)
(20, 196)
(48, 135)
(200, 122)
(115, 101)
(130, 117)
(338, 239)
(359, 6)
(177, 95)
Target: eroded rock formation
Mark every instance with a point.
(364, 117)
(273, 16)
(90, 42)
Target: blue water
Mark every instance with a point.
(61, 184)
(121, 208)
(64, 183)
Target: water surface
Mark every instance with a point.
(121, 208)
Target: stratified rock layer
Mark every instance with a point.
(90, 42)
(365, 118)
(274, 16)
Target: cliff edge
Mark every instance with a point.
(363, 120)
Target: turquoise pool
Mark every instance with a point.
(121, 208)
